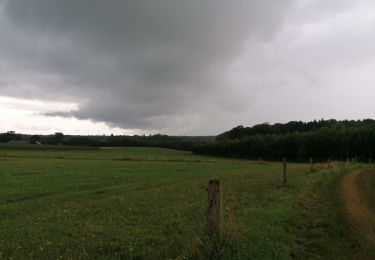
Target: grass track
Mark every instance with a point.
(358, 193)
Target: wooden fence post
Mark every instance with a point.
(214, 210)
(285, 179)
(311, 165)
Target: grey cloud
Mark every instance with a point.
(133, 64)
(57, 113)
(190, 66)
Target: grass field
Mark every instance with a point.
(148, 203)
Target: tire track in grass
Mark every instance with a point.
(357, 192)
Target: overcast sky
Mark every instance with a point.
(192, 67)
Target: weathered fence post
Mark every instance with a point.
(214, 210)
(311, 165)
(285, 179)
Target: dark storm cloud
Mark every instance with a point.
(135, 64)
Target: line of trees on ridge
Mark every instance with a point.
(158, 140)
(322, 140)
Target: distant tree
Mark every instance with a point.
(34, 139)
(59, 137)
(10, 135)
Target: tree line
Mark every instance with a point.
(298, 141)
(158, 140)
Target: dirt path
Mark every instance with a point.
(358, 192)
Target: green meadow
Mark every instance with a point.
(149, 203)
